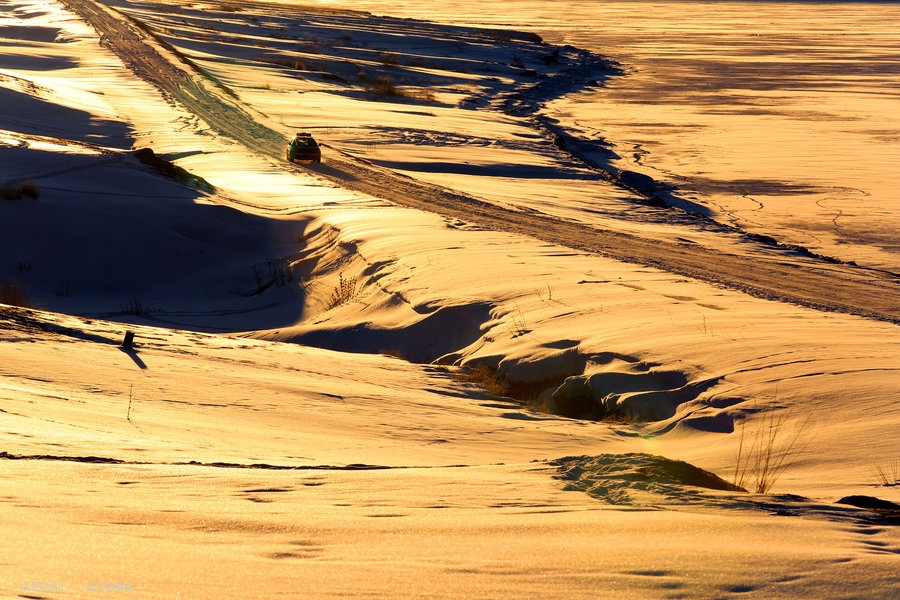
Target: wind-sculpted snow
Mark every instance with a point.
(840, 288)
(424, 340)
(640, 396)
(170, 461)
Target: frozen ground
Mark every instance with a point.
(214, 458)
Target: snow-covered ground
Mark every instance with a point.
(293, 419)
(779, 119)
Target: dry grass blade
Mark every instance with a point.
(887, 473)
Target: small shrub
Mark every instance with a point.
(344, 292)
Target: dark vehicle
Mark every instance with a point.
(303, 147)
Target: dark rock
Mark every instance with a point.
(890, 511)
(870, 502)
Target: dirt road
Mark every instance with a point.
(804, 281)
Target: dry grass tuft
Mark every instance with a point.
(383, 86)
(766, 453)
(484, 377)
(344, 291)
(389, 59)
(134, 306)
(887, 474)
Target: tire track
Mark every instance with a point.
(780, 276)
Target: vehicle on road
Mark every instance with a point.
(304, 148)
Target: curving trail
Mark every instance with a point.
(807, 282)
